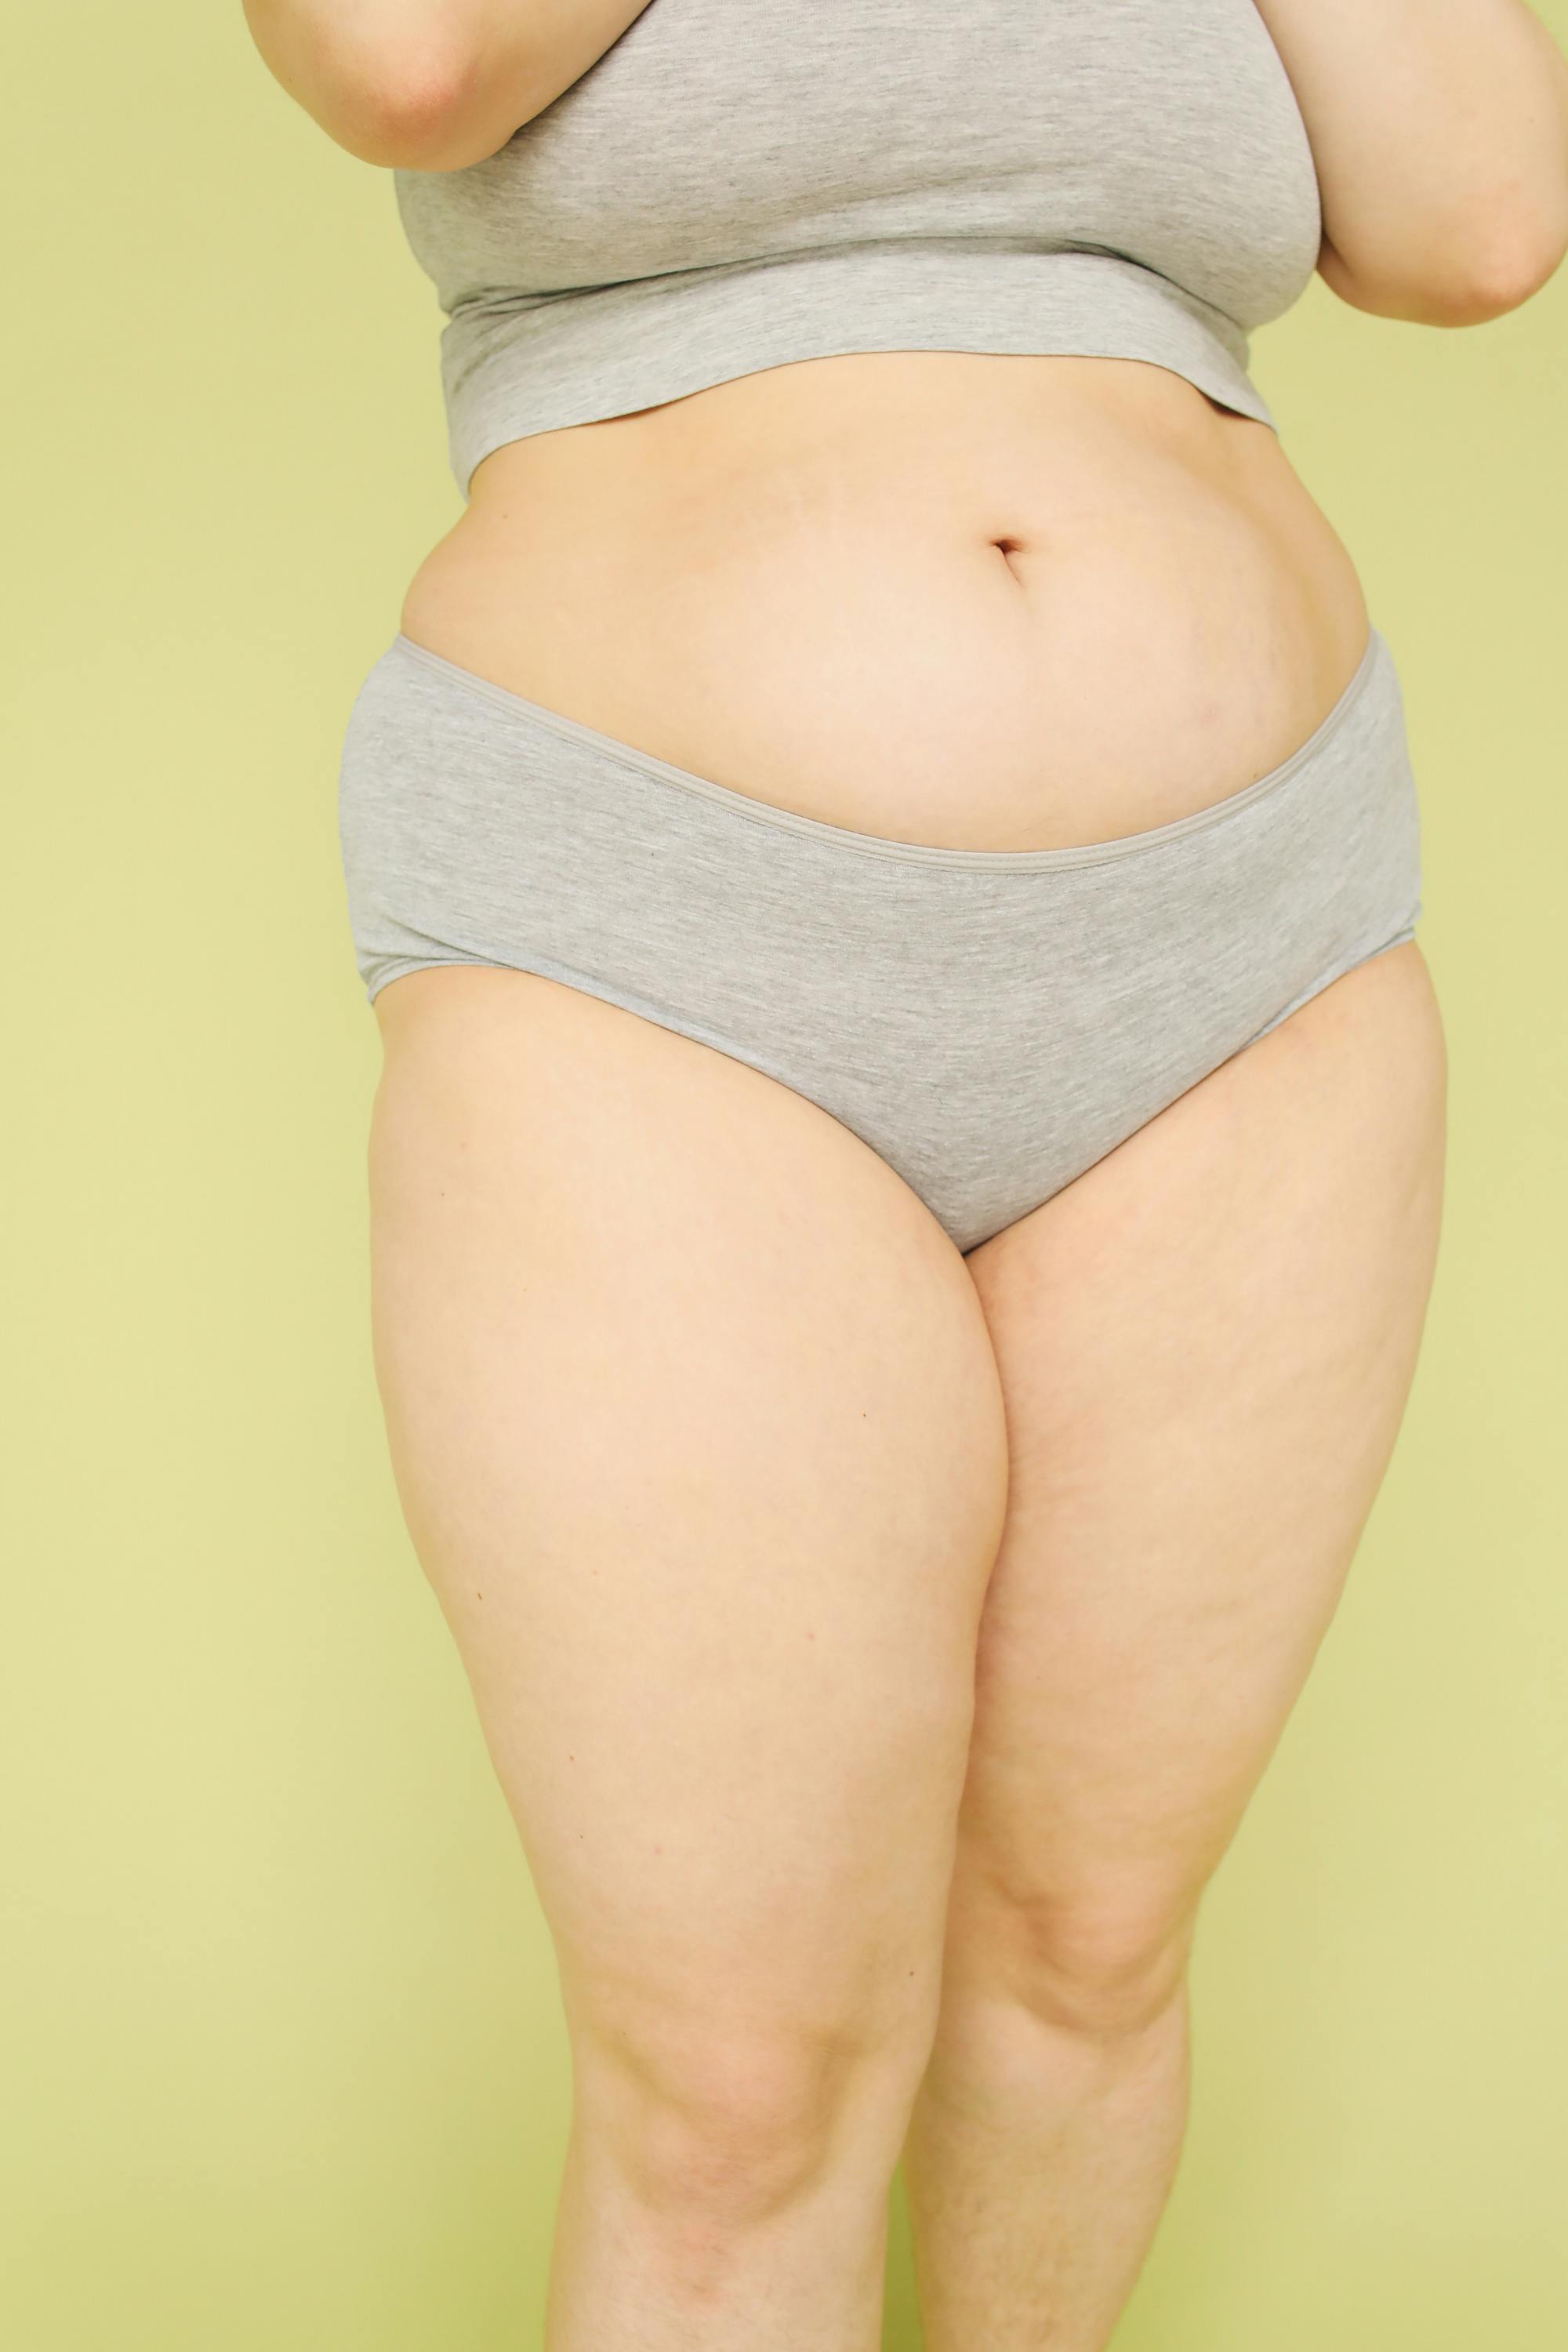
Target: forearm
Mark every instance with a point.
(1439, 128)
(433, 84)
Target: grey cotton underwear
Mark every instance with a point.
(991, 1023)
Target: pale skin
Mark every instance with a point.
(879, 1647)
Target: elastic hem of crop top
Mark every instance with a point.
(515, 365)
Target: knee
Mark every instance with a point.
(1098, 1965)
(733, 2123)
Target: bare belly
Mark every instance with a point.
(978, 601)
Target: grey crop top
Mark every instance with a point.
(736, 184)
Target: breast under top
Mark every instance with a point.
(739, 183)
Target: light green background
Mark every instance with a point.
(283, 2067)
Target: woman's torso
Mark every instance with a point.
(978, 597)
(982, 601)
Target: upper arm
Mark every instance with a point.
(1440, 138)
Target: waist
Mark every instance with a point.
(516, 362)
(979, 600)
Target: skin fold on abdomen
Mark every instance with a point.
(974, 601)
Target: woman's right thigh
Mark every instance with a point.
(698, 1432)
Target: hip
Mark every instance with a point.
(991, 1023)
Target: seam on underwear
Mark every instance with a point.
(1341, 971)
(488, 956)
(541, 717)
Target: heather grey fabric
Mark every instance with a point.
(991, 1023)
(738, 183)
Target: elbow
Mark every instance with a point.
(420, 113)
(402, 120)
(1502, 275)
(385, 102)
(1461, 278)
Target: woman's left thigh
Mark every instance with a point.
(1206, 1346)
